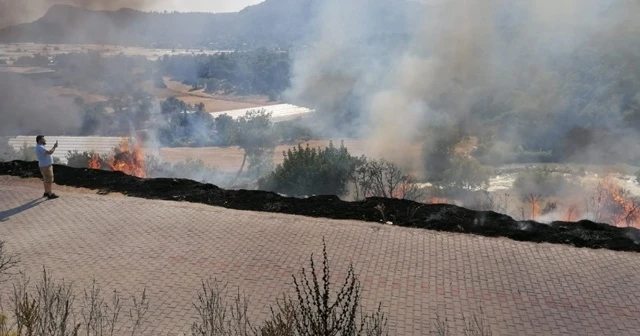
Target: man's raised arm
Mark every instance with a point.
(53, 149)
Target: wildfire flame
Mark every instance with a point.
(438, 200)
(94, 162)
(615, 205)
(609, 203)
(129, 159)
(571, 213)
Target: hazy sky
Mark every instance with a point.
(19, 11)
(205, 5)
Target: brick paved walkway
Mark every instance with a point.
(128, 243)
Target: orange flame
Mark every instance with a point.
(609, 204)
(129, 159)
(616, 206)
(571, 214)
(437, 200)
(94, 162)
(535, 206)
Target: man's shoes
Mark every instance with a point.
(45, 195)
(52, 196)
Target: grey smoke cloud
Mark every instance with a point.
(28, 109)
(25, 106)
(545, 65)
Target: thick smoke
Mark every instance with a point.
(28, 109)
(535, 67)
(25, 105)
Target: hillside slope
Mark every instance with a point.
(273, 23)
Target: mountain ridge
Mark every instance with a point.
(272, 23)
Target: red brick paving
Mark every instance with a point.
(169, 247)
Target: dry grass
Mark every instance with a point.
(212, 103)
(25, 70)
(69, 92)
(230, 158)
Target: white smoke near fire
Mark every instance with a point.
(536, 67)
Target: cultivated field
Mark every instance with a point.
(15, 50)
(212, 103)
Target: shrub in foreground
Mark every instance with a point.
(318, 308)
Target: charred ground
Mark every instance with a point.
(440, 217)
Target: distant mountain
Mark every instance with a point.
(272, 23)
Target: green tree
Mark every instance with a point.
(256, 137)
(226, 130)
(310, 171)
(174, 105)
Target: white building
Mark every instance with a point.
(279, 112)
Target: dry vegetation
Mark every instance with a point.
(230, 158)
(16, 50)
(69, 92)
(212, 103)
(320, 306)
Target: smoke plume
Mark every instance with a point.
(535, 67)
(26, 107)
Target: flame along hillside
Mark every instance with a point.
(607, 202)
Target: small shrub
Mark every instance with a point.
(78, 159)
(216, 316)
(7, 260)
(7, 152)
(50, 309)
(381, 178)
(323, 313)
(316, 310)
(282, 321)
(27, 153)
(311, 171)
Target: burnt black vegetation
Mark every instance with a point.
(440, 217)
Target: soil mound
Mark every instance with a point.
(441, 217)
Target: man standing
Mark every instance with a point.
(45, 162)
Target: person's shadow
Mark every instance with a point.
(6, 214)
